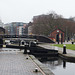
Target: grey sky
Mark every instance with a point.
(24, 10)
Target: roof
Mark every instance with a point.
(57, 29)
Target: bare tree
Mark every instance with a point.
(45, 23)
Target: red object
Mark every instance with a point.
(53, 35)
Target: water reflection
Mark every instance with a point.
(64, 64)
(59, 66)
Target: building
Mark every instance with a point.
(30, 29)
(1, 24)
(15, 28)
(2, 30)
(20, 30)
(57, 35)
(7, 28)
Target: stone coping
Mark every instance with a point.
(41, 66)
(69, 56)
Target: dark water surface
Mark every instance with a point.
(60, 67)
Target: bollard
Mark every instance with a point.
(64, 49)
(72, 42)
(26, 58)
(19, 42)
(36, 69)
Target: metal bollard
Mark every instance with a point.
(36, 69)
(72, 42)
(64, 49)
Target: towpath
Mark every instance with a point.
(16, 63)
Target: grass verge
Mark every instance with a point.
(68, 46)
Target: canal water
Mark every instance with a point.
(59, 66)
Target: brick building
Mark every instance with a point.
(57, 35)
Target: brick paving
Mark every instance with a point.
(16, 64)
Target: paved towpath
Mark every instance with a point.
(15, 63)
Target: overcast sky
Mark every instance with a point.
(24, 10)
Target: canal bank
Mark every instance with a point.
(45, 70)
(60, 66)
(69, 56)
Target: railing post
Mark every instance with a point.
(25, 50)
(19, 42)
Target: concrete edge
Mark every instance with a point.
(41, 66)
(68, 57)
